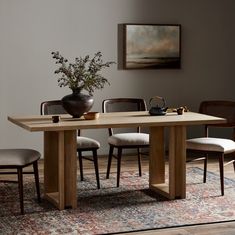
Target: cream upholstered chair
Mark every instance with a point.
(83, 143)
(126, 140)
(212, 145)
(18, 159)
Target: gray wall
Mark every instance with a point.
(31, 29)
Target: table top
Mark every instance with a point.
(114, 120)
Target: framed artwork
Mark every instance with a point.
(149, 46)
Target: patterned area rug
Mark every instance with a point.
(132, 207)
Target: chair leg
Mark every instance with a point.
(205, 168)
(35, 169)
(21, 192)
(139, 162)
(96, 167)
(80, 164)
(119, 157)
(109, 161)
(221, 167)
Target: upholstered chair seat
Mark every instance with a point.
(211, 144)
(18, 157)
(85, 143)
(129, 139)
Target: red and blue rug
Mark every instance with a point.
(132, 207)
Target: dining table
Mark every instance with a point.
(60, 155)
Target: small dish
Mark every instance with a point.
(55, 118)
(91, 115)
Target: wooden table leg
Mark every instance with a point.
(177, 162)
(157, 160)
(180, 162)
(70, 169)
(176, 188)
(60, 168)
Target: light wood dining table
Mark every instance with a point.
(60, 156)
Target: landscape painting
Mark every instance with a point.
(152, 46)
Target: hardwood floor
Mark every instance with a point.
(130, 163)
(227, 228)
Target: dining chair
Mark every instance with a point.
(121, 139)
(212, 145)
(84, 144)
(17, 159)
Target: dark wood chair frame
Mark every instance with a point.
(141, 106)
(44, 111)
(19, 172)
(230, 117)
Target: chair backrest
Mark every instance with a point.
(52, 107)
(219, 108)
(123, 105)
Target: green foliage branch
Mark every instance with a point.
(84, 73)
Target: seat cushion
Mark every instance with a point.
(18, 157)
(85, 142)
(129, 139)
(211, 144)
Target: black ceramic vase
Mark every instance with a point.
(77, 103)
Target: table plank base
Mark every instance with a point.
(60, 168)
(53, 198)
(162, 189)
(176, 188)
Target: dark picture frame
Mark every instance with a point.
(149, 46)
